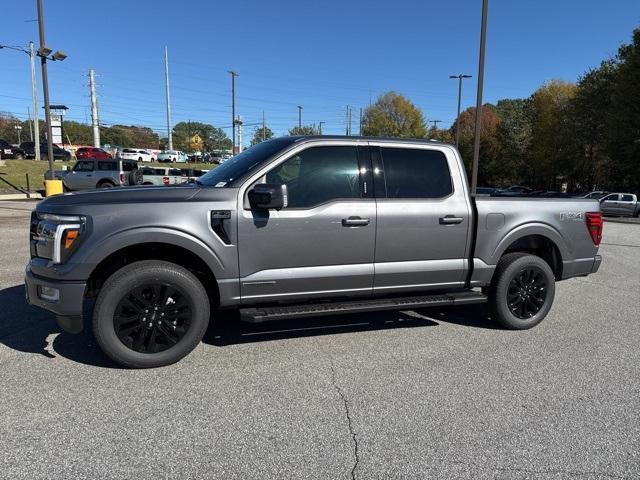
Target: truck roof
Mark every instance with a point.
(422, 141)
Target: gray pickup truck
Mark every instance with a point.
(295, 227)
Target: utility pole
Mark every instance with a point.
(168, 97)
(478, 126)
(360, 123)
(30, 124)
(459, 77)
(34, 99)
(18, 128)
(233, 110)
(45, 89)
(95, 122)
(263, 127)
(347, 122)
(299, 116)
(239, 134)
(435, 123)
(320, 127)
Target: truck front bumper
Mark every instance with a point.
(64, 299)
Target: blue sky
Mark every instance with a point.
(323, 55)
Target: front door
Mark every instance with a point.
(609, 204)
(322, 243)
(423, 219)
(82, 176)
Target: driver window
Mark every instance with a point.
(611, 198)
(318, 175)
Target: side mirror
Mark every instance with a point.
(265, 196)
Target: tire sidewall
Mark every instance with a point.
(123, 282)
(500, 305)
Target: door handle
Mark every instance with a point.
(355, 222)
(450, 220)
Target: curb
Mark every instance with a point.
(21, 196)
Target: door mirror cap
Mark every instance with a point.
(266, 196)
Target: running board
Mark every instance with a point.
(265, 314)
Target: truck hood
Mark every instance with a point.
(136, 196)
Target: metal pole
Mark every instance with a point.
(299, 116)
(458, 116)
(94, 109)
(476, 145)
(166, 82)
(233, 111)
(360, 123)
(34, 99)
(347, 122)
(30, 124)
(45, 89)
(320, 127)
(263, 127)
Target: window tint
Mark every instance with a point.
(107, 166)
(128, 166)
(318, 175)
(627, 198)
(611, 198)
(84, 166)
(416, 173)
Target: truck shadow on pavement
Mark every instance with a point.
(28, 329)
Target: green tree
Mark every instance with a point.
(514, 137)
(304, 130)
(260, 134)
(393, 116)
(212, 138)
(551, 153)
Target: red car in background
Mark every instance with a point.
(92, 152)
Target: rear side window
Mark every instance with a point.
(627, 198)
(416, 173)
(128, 166)
(107, 166)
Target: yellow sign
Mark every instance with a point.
(196, 142)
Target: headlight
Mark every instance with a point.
(55, 237)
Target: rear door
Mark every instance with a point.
(627, 204)
(423, 218)
(322, 243)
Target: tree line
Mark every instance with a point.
(584, 134)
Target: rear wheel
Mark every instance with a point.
(105, 185)
(150, 314)
(522, 291)
(19, 156)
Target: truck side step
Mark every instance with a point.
(265, 314)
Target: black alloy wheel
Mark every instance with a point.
(527, 292)
(152, 317)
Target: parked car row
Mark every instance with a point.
(27, 150)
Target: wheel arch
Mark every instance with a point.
(541, 240)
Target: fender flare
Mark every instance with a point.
(135, 236)
(528, 229)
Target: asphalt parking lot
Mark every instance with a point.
(426, 394)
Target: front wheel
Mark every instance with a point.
(522, 291)
(150, 314)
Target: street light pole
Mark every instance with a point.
(299, 116)
(34, 99)
(45, 88)
(476, 144)
(233, 110)
(320, 127)
(168, 98)
(459, 77)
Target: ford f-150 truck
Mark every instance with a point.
(295, 227)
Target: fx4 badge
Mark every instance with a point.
(575, 216)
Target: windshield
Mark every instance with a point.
(243, 163)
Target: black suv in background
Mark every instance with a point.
(58, 153)
(9, 151)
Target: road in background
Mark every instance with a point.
(433, 393)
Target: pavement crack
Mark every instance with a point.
(345, 403)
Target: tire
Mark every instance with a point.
(522, 291)
(105, 184)
(19, 156)
(144, 284)
(135, 177)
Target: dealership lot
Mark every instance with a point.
(438, 393)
